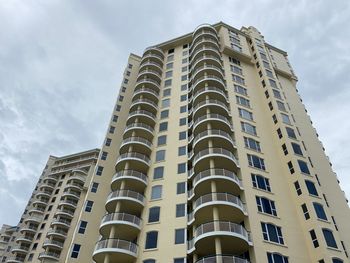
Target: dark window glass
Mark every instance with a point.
(151, 240)
(158, 172)
(181, 168)
(181, 188)
(328, 236)
(297, 148)
(321, 214)
(179, 236)
(75, 251)
(311, 188)
(153, 215)
(303, 167)
(180, 210)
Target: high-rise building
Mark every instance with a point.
(209, 157)
(45, 230)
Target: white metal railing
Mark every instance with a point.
(116, 244)
(122, 217)
(223, 259)
(49, 254)
(56, 231)
(150, 55)
(53, 242)
(154, 48)
(62, 202)
(140, 81)
(134, 155)
(126, 193)
(205, 48)
(221, 226)
(198, 34)
(204, 40)
(139, 125)
(155, 93)
(60, 220)
(208, 77)
(205, 89)
(60, 163)
(149, 71)
(70, 192)
(130, 173)
(137, 139)
(144, 101)
(148, 63)
(224, 197)
(211, 116)
(217, 172)
(204, 57)
(142, 112)
(205, 67)
(211, 101)
(220, 151)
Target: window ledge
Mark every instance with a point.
(258, 169)
(265, 191)
(324, 220)
(274, 243)
(150, 249)
(266, 214)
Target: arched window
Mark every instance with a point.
(321, 214)
(337, 260)
(276, 258)
(151, 240)
(156, 192)
(149, 261)
(153, 215)
(311, 188)
(328, 236)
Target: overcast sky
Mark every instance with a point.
(61, 64)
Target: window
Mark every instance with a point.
(252, 144)
(182, 150)
(179, 260)
(276, 258)
(153, 215)
(183, 97)
(183, 109)
(118, 107)
(111, 129)
(179, 236)
(284, 149)
(242, 101)
(166, 92)
(256, 161)
(279, 133)
(281, 106)
(183, 87)
(165, 103)
(238, 79)
(156, 192)
(291, 167)
(273, 83)
(291, 133)
(236, 69)
(115, 118)
(75, 251)
(276, 94)
(158, 172)
(164, 114)
(261, 182)
(240, 90)
(160, 155)
(30, 258)
(182, 121)
(181, 168)
(82, 227)
(161, 140)
(167, 83)
(274, 118)
(151, 240)
(149, 261)
(266, 205)
(88, 206)
(328, 236)
(181, 188)
(297, 188)
(297, 149)
(184, 77)
(245, 114)
(163, 126)
(180, 210)
(99, 170)
(303, 167)
(272, 233)
(169, 65)
(94, 187)
(182, 135)
(121, 98)
(285, 119)
(169, 74)
(321, 214)
(269, 73)
(314, 238)
(108, 142)
(104, 156)
(248, 128)
(305, 211)
(311, 188)
(184, 69)
(337, 260)
(266, 64)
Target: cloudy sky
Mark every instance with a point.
(61, 64)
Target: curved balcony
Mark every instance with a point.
(68, 203)
(130, 201)
(205, 59)
(234, 238)
(148, 82)
(222, 158)
(149, 105)
(118, 250)
(77, 179)
(50, 179)
(15, 259)
(224, 202)
(44, 193)
(205, 50)
(214, 92)
(150, 73)
(154, 49)
(214, 118)
(41, 201)
(144, 129)
(153, 55)
(35, 219)
(208, 32)
(57, 233)
(138, 161)
(204, 41)
(145, 92)
(152, 65)
(207, 69)
(49, 255)
(36, 210)
(25, 239)
(71, 193)
(78, 186)
(49, 186)
(61, 222)
(133, 180)
(220, 108)
(218, 134)
(127, 225)
(29, 229)
(211, 80)
(144, 116)
(20, 249)
(139, 144)
(53, 244)
(222, 259)
(81, 171)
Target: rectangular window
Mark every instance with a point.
(164, 114)
(321, 214)
(118, 107)
(183, 109)
(305, 211)
(115, 118)
(238, 79)
(311, 188)
(94, 187)
(184, 87)
(242, 101)
(256, 161)
(303, 167)
(269, 73)
(88, 206)
(272, 233)
(121, 98)
(161, 140)
(266, 64)
(314, 238)
(261, 182)
(291, 133)
(160, 155)
(297, 149)
(285, 119)
(166, 92)
(165, 103)
(252, 144)
(184, 77)
(82, 227)
(277, 94)
(181, 151)
(179, 236)
(179, 260)
(245, 114)
(153, 214)
(236, 69)
(169, 74)
(183, 121)
(240, 90)
(266, 205)
(99, 170)
(183, 97)
(328, 236)
(151, 240)
(180, 210)
(108, 142)
(181, 168)
(273, 83)
(163, 126)
(156, 192)
(104, 155)
(169, 65)
(75, 251)
(181, 188)
(297, 188)
(248, 128)
(182, 135)
(290, 167)
(167, 83)
(281, 106)
(158, 172)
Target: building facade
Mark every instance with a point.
(210, 157)
(45, 230)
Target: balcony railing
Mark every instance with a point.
(118, 244)
(221, 197)
(137, 140)
(132, 174)
(214, 133)
(133, 155)
(223, 259)
(122, 217)
(208, 89)
(127, 193)
(215, 151)
(139, 125)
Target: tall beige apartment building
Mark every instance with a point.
(209, 157)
